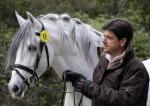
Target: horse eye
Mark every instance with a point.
(32, 47)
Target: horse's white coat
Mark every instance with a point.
(72, 45)
(67, 50)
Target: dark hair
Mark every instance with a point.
(121, 28)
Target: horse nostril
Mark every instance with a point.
(15, 88)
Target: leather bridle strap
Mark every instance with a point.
(29, 70)
(47, 56)
(22, 77)
(42, 44)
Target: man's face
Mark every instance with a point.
(112, 45)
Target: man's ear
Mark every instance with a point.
(123, 42)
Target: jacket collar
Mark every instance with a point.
(129, 54)
(121, 59)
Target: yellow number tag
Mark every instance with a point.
(44, 36)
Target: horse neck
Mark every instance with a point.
(73, 62)
(80, 56)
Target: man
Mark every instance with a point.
(119, 79)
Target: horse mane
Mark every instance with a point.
(23, 35)
(77, 36)
(71, 30)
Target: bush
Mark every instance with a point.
(141, 44)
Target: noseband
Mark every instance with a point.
(33, 73)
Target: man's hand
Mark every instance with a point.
(71, 76)
(80, 83)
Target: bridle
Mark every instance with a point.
(32, 71)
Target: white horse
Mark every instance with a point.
(52, 40)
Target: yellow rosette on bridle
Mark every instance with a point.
(44, 36)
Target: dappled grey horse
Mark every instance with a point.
(52, 40)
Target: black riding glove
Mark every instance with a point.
(80, 83)
(71, 76)
(84, 86)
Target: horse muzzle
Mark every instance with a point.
(17, 91)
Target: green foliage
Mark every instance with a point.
(98, 22)
(141, 44)
(6, 36)
(96, 15)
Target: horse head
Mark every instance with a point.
(50, 40)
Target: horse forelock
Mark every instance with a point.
(23, 37)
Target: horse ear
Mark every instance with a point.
(35, 22)
(20, 19)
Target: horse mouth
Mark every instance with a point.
(17, 95)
